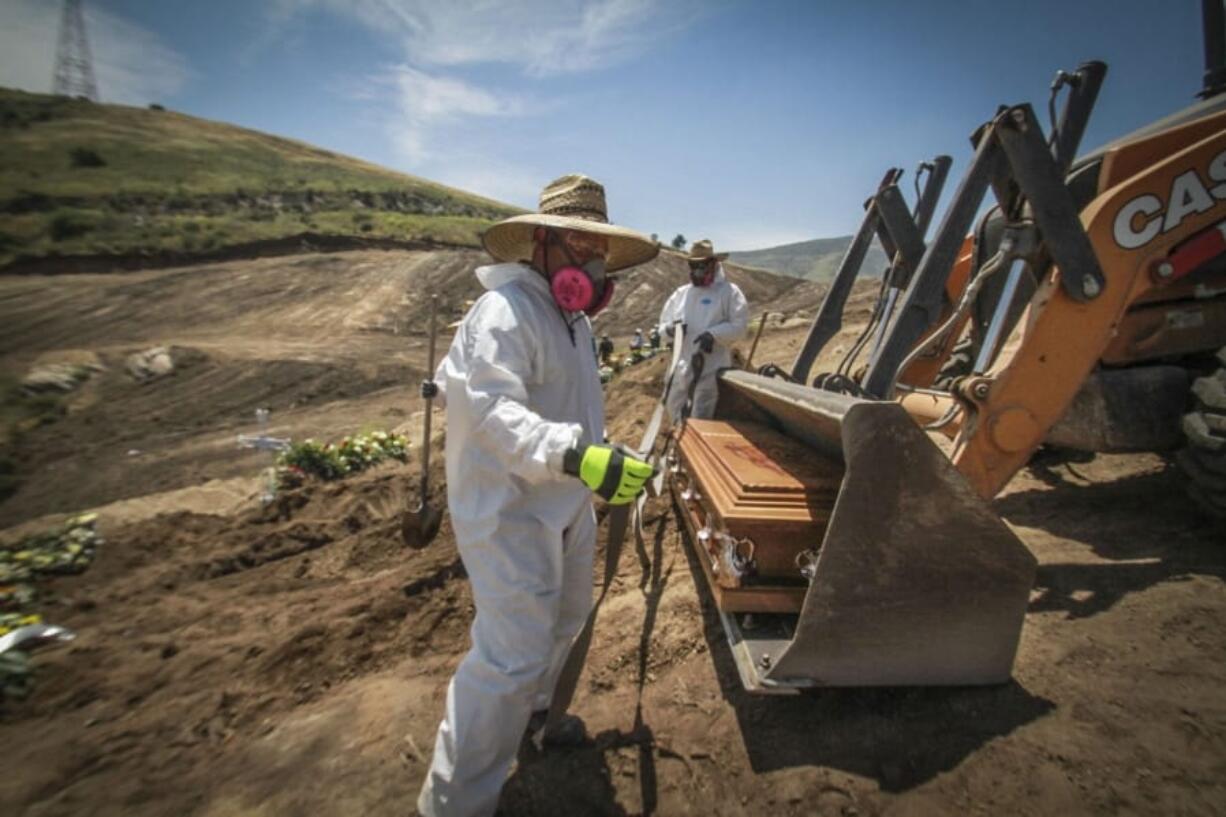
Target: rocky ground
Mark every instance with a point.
(233, 659)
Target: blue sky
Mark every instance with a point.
(752, 123)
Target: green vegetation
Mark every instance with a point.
(82, 178)
(69, 548)
(335, 460)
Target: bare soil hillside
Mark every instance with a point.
(233, 659)
(328, 342)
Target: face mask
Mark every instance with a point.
(584, 288)
(703, 276)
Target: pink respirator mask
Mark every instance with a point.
(576, 289)
(702, 275)
(584, 288)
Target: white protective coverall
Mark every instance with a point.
(720, 309)
(520, 388)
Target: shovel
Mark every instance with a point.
(420, 522)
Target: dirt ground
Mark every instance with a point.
(233, 659)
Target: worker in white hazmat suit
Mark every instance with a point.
(525, 452)
(715, 314)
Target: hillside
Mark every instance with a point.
(642, 291)
(815, 260)
(78, 178)
(294, 334)
(233, 659)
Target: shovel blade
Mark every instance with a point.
(419, 526)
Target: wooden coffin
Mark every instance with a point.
(768, 492)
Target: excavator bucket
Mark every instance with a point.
(842, 547)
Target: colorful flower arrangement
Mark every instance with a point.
(329, 461)
(67, 549)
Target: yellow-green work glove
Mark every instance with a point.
(608, 472)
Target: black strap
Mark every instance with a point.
(619, 518)
(568, 678)
(612, 475)
(697, 363)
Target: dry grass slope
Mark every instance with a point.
(81, 178)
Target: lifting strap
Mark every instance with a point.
(568, 678)
(619, 518)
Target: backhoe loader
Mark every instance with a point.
(1086, 307)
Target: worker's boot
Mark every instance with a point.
(568, 732)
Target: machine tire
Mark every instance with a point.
(1203, 459)
(960, 362)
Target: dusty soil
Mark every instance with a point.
(111, 262)
(238, 660)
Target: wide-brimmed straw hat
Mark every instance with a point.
(573, 202)
(704, 251)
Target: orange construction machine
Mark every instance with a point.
(845, 540)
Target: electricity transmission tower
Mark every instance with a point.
(74, 68)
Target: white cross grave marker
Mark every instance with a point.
(273, 445)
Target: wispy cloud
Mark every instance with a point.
(439, 98)
(433, 89)
(415, 103)
(131, 64)
(541, 37)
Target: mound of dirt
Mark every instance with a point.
(233, 659)
(165, 670)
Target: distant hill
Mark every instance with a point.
(78, 178)
(815, 260)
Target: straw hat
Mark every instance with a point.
(573, 202)
(704, 251)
